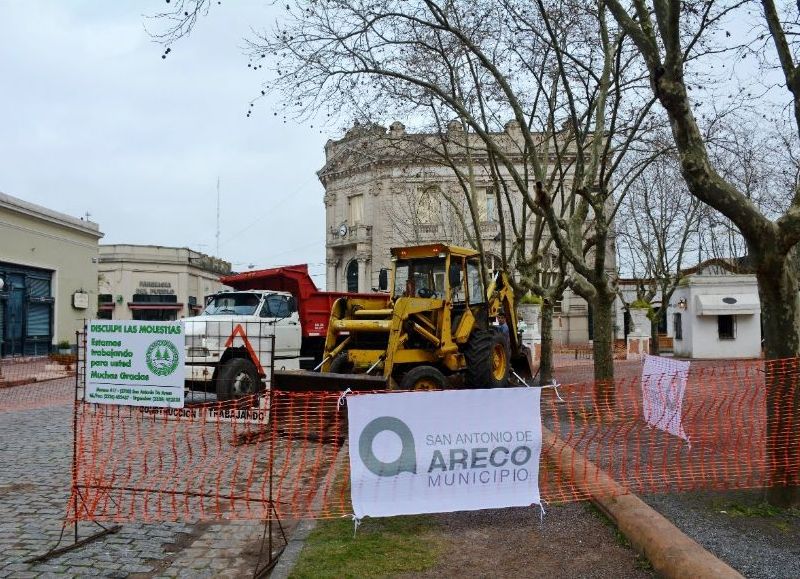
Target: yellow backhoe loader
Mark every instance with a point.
(433, 331)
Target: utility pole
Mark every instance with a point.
(217, 253)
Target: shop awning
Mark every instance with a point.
(154, 306)
(105, 307)
(727, 304)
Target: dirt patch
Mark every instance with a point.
(182, 541)
(572, 541)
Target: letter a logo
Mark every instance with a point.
(406, 462)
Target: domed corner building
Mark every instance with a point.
(389, 187)
(48, 266)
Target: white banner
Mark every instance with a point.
(213, 413)
(663, 386)
(135, 363)
(436, 452)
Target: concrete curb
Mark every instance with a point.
(291, 553)
(672, 553)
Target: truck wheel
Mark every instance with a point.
(423, 378)
(237, 378)
(341, 364)
(487, 358)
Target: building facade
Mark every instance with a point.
(150, 282)
(387, 188)
(48, 268)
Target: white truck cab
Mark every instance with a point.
(230, 344)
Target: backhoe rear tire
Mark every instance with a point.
(423, 378)
(487, 360)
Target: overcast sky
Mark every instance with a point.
(93, 120)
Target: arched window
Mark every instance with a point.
(352, 276)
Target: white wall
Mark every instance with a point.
(700, 333)
(34, 236)
(682, 347)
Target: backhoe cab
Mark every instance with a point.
(433, 333)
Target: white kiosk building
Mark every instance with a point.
(716, 314)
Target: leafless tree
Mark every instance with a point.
(679, 41)
(657, 232)
(564, 74)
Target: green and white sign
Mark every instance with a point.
(135, 363)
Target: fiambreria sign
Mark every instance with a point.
(429, 452)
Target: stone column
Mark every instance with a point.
(330, 274)
(363, 283)
(531, 332)
(639, 338)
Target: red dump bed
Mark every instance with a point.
(314, 305)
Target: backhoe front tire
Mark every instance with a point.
(423, 378)
(341, 364)
(487, 360)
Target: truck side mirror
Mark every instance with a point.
(383, 279)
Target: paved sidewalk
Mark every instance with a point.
(35, 457)
(17, 371)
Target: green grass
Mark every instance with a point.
(764, 510)
(778, 517)
(759, 510)
(380, 548)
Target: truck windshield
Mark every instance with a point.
(236, 304)
(422, 278)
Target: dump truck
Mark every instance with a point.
(433, 331)
(313, 305)
(229, 347)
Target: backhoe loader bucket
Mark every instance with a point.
(308, 381)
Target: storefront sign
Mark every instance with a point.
(433, 452)
(135, 363)
(156, 288)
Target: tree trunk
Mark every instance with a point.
(603, 350)
(546, 360)
(655, 348)
(780, 313)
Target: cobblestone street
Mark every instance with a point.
(35, 463)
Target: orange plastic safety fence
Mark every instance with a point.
(36, 382)
(224, 460)
(569, 370)
(231, 461)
